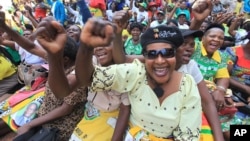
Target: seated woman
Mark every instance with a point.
(213, 66)
(55, 111)
(109, 109)
(171, 98)
(239, 69)
(183, 64)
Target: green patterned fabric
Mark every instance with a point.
(209, 67)
(131, 48)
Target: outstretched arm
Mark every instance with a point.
(84, 11)
(54, 47)
(120, 19)
(22, 41)
(95, 33)
(208, 106)
(200, 11)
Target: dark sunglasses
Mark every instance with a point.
(165, 53)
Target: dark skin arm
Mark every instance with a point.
(54, 46)
(94, 34)
(219, 93)
(59, 112)
(237, 85)
(121, 123)
(120, 19)
(209, 109)
(22, 41)
(7, 43)
(199, 17)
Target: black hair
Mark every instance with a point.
(215, 25)
(246, 26)
(172, 21)
(70, 48)
(29, 27)
(135, 25)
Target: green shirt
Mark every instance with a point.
(211, 68)
(131, 48)
(15, 55)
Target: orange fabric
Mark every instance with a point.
(98, 4)
(241, 59)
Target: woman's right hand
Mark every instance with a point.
(97, 33)
(51, 35)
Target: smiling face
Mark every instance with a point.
(185, 51)
(104, 55)
(136, 32)
(213, 40)
(30, 110)
(27, 33)
(74, 32)
(160, 68)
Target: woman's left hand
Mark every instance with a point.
(23, 129)
(219, 99)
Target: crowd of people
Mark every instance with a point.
(114, 70)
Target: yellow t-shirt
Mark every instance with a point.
(6, 67)
(238, 7)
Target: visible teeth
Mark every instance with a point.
(160, 71)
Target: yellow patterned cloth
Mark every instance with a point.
(10, 115)
(95, 125)
(7, 68)
(160, 119)
(206, 131)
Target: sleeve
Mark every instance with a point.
(75, 13)
(77, 96)
(17, 46)
(195, 71)
(231, 56)
(191, 114)
(222, 71)
(124, 99)
(121, 78)
(84, 10)
(62, 13)
(50, 2)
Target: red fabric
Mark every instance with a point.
(18, 97)
(242, 61)
(98, 4)
(40, 13)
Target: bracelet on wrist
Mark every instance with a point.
(221, 88)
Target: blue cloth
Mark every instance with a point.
(59, 11)
(84, 10)
(247, 6)
(179, 10)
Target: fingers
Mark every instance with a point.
(50, 30)
(58, 27)
(2, 17)
(97, 32)
(122, 17)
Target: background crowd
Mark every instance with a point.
(43, 44)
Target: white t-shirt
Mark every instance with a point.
(140, 16)
(156, 23)
(109, 14)
(184, 26)
(28, 57)
(192, 69)
(238, 37)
